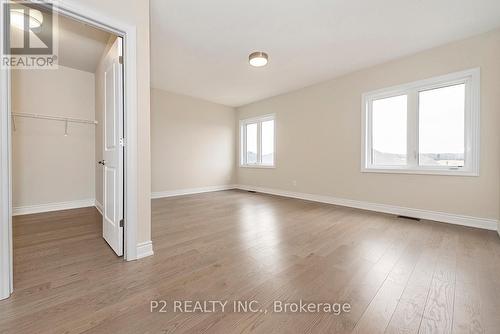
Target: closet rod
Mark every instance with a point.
(54, 118)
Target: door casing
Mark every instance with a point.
(83, 13)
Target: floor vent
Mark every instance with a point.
(411, 218)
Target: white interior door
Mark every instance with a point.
(113, 150)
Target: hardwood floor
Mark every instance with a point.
(399, 276)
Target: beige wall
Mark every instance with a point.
(136, 13)
(192, 142)
(49, 167)
(318, 136)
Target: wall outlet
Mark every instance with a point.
(294, 183)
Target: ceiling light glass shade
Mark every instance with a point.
(17, 17)
(258, 59)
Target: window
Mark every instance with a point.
(426, 127)
(257, 142)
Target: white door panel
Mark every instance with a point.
(113, 151)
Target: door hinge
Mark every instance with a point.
(120, 59)
(122, 222)
(122, 141)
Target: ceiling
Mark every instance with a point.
(80, 46)
(201, 48)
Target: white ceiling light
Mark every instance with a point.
(258, 59)
(17, 17)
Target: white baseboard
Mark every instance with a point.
(30, 209)
(484, 223)
(144, 249)
(190, 191)
(98, 206)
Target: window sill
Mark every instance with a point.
(257, 166)
(420, 171)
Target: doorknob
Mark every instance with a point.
(102, 162)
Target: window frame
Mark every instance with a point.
(471, 79)
(243, 141)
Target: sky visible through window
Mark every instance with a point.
(268, 142)
(252, 143)
(441, 126)
(389, 130)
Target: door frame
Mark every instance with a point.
(84, 13)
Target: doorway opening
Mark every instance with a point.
(67, 130)
(67, 147)
(70, 127)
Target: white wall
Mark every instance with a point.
(319, 136)
(47, 166)
(192, 143)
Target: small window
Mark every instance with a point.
(426, 127)
(257, 145)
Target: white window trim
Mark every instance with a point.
(243, 141)
(471, 78)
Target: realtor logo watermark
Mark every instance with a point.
(29, 35)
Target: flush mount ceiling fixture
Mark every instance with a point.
(19, 15)
(258, 59)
